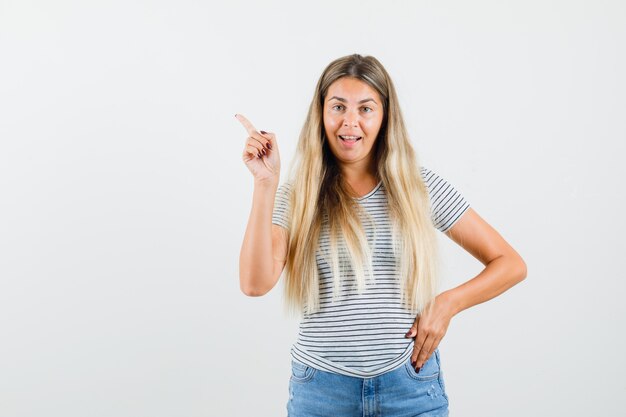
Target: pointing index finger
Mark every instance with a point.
(246, 123)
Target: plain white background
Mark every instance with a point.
(124, 199)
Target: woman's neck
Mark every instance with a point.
(361, 180)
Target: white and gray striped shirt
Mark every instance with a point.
(362, 335)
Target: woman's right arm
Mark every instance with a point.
(264, 249)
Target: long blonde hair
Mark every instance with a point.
(320, 196)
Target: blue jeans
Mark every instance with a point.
(401, 392)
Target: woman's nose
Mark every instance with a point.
(350, 120)
(351, 117)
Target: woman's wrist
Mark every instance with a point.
(448, 298)
(269, 182)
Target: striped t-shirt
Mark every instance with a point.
(362, 335)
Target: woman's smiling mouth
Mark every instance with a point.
(350, 138)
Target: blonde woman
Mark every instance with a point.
(354, 229)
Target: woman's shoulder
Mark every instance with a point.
(283, 193)
(285, 187)
(431, 177)
(425, 170)
(437, 185)
(428, 175)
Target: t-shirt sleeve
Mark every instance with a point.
(282, 210)
(447, 204)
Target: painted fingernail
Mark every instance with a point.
(264, 132)
(263, 151)
(413, 364)
(269, 145)
(259, 154)
(418, 370)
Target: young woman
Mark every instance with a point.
(355, 228)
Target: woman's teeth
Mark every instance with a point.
(350, 138)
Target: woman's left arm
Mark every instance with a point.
(504, 268)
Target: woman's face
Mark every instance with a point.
(352, 108)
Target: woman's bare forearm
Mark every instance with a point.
(256, 260)
(498, 276)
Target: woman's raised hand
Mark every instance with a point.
(260, 153)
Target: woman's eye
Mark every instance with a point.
(337, 105)
(369, 108)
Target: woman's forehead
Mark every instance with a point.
(352, 90)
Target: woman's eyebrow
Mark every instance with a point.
(343, 100)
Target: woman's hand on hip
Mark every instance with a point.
(260, 153)
(428, 329)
